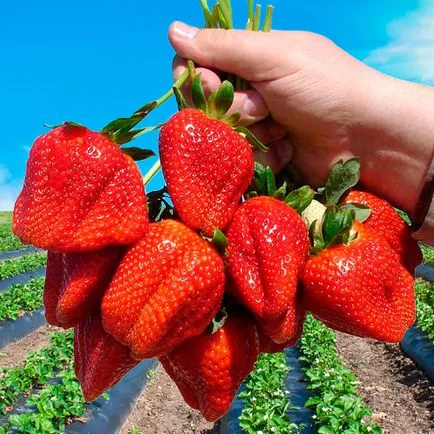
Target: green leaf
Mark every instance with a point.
(221, 100)
(336, 225)
(138, 154)
(362, 212)
(300, 199)
(342, 177)
(232, 119)
(197, 94)
(316, 238)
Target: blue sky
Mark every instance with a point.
(91, 62)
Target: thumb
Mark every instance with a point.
(248, 54)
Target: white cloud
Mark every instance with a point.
(409, 53)
(9, 189)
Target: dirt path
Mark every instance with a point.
(400, 395)
(161, 410)
(14, 354)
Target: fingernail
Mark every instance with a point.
(183, 30)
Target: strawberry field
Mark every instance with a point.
(322, 385)
(238, 297)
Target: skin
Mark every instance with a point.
(314, 104)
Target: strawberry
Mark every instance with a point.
(99, 360)
(360, 288)
(385, 220)
(209, 368)
(167, 289)
(267, 345)
(81, 192)
(75, 283)
(268, 245)
(207, 167)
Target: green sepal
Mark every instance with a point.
(122, 137)
(198, 95)
(362, 212)
(180, 100)
(316, 239)
(254, 141)
(219, 238)
(219, 320)
(300, 199)
(342, 177)
(270, 181)
(336, 225)
(231, 119)
(221, 100)
(138, 154)
(280, 193)
(120, 126)
(69, 124)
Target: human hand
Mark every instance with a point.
(314, 104)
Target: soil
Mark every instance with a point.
(161, 410)
(14, 354)
(400, 395)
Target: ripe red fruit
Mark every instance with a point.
(361, 288)
(81, 192)
(99, 360)
(288, 327)
(75, 283)
(207, 167)
(385, 220)
(268, 245)
(167, 289)
(209, 368)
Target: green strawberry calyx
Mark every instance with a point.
(265, 184)
(334, 228)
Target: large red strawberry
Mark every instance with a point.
(385, 220)
(291, 326)
(268, 245)
(207, 166)
(361, 288)
(209, 368)
(99, 360)
(81, 192)
(75, 283)
(167, 289)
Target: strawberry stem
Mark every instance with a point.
(152, 172)
(268, 19)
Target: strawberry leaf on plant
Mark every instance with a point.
(342, 177)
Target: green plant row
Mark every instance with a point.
(21, 298)
(8, 241)
(425, 306)
(23, 264)
(338, 408)
(265, 399)
(38, 368)
(54, 405)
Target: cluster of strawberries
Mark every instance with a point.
(230, 273)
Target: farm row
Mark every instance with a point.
(39, 393)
